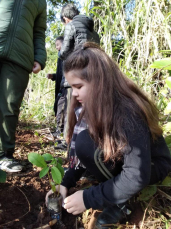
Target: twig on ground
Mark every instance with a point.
(164, 194)
(22, 215)
(142, 224)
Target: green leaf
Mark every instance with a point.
(166, 181)
(168, 139)
(43, 172)
(53, 188)
(147, 193)
(37, 159)
(60, 160)
(54, 161)
(168, 82)
(167, 110)
(36, 133)
(162, 64)
(47, 157)
(3, 176)
(167, 127)
(61, 169)
(56, 175)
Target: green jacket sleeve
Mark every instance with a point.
(39, 36)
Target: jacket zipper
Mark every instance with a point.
(13, 25)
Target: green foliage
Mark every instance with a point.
(144, 27)
(168, 82)
(167, 181)
(50, 166)
(162, 64)
(147, 193)
(37, 159)
(165, 64)
(3, 176)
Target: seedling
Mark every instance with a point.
(50, 166)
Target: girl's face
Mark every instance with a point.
(79, 86)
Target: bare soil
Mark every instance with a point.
(22, 197)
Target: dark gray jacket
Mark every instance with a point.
(79, 30)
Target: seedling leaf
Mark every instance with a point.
(3, 176)
(61, 169)
(56, 175)
(43, 172)
(47, 157)
(37, 159)
(60, 161)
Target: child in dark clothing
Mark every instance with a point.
(57, 77)
(121, 143)
(60, 98)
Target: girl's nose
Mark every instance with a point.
(74, 93)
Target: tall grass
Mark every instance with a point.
(144, 27)
(38, 101)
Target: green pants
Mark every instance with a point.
(13, 82)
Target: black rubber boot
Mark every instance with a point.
(111, 216)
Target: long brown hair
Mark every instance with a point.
(111, 95)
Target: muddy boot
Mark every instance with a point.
(111, 216)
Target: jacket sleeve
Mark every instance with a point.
(71, 177)
(39, 36)
(135, 174)
(69, 41)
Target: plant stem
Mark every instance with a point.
(50, 180)
(58, 189)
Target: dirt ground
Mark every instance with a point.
(22, 197)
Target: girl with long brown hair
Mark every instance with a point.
(114, 134)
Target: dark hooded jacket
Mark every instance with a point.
(22, 32)
(79, 30)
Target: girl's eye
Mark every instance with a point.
(79, 87)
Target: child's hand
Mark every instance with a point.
(63, 191)
(49, 76)
(36, 67)
(74, 204)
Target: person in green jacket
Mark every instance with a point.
(22, 51)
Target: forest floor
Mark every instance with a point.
(22, 204)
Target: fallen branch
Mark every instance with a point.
(22, 215)
(141, 227)
(164, 194)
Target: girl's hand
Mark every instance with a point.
(74, 204)
(63, 191)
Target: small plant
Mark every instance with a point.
(50, 166)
